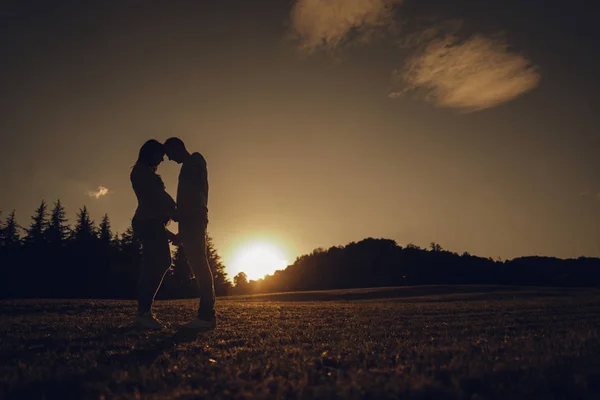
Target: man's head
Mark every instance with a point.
(175, 150)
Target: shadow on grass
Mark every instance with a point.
(93, 382)
(148, 355)
(565, 378)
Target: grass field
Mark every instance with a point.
(440, 342)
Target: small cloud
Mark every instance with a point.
(470, 75)
(101, 191)
(590, 194)
(330, 24)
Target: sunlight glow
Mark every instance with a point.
(258, 259)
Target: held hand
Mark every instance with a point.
(175, 240)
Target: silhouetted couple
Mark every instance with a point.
(156, 208)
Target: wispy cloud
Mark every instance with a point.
(590, 194)
(330, 24)
(447, 69)
(470, 75)
(101, 191)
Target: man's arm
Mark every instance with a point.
(192, 194)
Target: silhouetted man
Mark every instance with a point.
(192, 215)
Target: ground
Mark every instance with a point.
(446, 342)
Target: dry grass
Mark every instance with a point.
(511, 344)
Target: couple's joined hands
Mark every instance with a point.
(175, 216)
(173, 238)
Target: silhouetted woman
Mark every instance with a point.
(155, 209)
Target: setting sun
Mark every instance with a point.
(258, 259)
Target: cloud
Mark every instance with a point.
(590, 194)
(329, 24)
(471, 75)
(101, 191)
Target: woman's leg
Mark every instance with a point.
(156, 260)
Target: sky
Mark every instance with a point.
(467, 123)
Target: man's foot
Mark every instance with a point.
(147, 321)
(200, 324)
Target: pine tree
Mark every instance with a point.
(85, 229)
(106, 235)
(115, 242)
(99, 274)
(130, 252)
(129, 243)
(58, 230)
(56, 263)
(10, 260)
(84, 269)
(222, 284)
(10, 238)
(9, 255)
(37, 229)
(180, 270)
(34, 273)
(1, 228)
(126, 264)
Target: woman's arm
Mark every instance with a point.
(172, 237)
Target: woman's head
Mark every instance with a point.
(151, 154)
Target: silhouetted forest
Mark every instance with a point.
(52, 258)
(382, 262)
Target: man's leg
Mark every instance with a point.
(156, 260)
(194, 243)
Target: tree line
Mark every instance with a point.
(382, 262)
(51, 258)
(54, 259)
